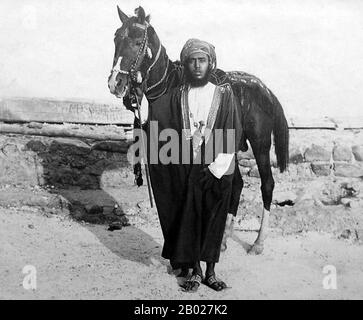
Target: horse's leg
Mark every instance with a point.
(267, 187)
(228, 231)
(259, 128)
(237, 186)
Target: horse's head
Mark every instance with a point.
(131, 49)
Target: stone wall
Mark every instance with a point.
(88, 164)
(317, 152)
(62, 162)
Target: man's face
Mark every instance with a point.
(197, 65)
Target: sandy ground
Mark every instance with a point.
(76, 260)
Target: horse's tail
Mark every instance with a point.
(281, 136)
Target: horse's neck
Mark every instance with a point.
(157, 73)
(163, 74)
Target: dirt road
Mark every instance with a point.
(83, 261)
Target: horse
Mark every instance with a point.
(140, 61)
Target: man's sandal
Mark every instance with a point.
(214, 283)
(193, 283)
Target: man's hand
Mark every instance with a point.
(130, 100)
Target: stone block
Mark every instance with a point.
(348, 170)
(10, 150)
(254, 172)
(342, 153)
(36, 146)
(321, 169)
(358, 152)
(295, 156)
(317, 153)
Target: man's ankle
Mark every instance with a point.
(209, 274)
(197, 270)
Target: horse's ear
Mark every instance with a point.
(123, 16)
(140, 14)
(148, 18)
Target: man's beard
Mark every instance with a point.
(196, 82)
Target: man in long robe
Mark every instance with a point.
(192, 176)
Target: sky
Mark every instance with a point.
(309, 53)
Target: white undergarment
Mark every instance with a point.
(200, 101)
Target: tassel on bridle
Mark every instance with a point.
(138, 174)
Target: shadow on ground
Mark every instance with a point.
(76, 172)
(130, 243)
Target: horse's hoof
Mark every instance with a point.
(256, 249)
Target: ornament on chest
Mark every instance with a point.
(199, 125)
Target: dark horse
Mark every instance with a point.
(140, 60)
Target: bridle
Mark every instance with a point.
(134, 72)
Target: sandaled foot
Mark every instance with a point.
(214, 283)
(192, 284)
